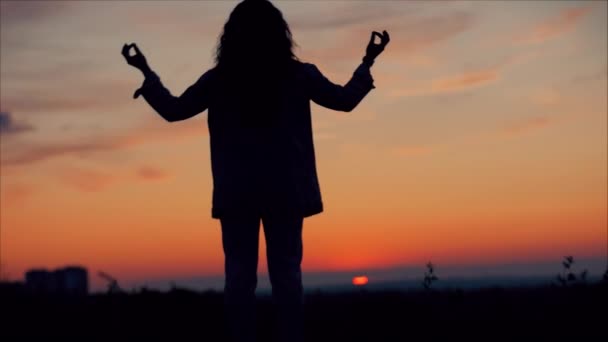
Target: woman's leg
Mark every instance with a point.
(240, 241)
(284, 253)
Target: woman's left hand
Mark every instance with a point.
(373, 49)
(138, 60)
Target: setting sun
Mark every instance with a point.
(360, 280)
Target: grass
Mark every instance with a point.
(546, 313)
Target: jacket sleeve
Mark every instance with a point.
(342, 98)
(192, 102)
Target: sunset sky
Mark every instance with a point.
(484, 143)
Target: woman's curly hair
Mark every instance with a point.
(254, 58)
(255, 31)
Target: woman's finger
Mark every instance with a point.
(386, 38)
(377, 34)
(136, 49)
(125, 50)
(371, 40)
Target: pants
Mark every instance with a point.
(284, 253)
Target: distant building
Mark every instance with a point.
(71, 280)
(11, 288)
(40, 281)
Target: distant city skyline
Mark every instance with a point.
(404, 277)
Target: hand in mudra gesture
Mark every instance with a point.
(138, 60)
(373, 49)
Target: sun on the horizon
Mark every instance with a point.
(360, 280)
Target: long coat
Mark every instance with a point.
(258, 169)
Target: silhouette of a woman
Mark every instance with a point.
(262, 154)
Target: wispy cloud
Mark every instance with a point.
(353, 14)
(151, 173)
(545, 97)
(410, 36)
(15, 193)
(527, 126)
(590, 77)
(86, 180)
(511, 130)
(92, 180)
(101, 96)
(38, 152)
(412, 150)
(19, 12)
(9, 126)
(458, 82)
(424, 32)
(564, 22)
(449, 84)
(466, 80)
(27, 154)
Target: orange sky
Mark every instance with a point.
(484, 142)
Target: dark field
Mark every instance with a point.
(551, 313)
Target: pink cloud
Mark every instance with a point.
(456, 82)
(86, 180)
(116, 94)
(92, 180)
(422, 33)
(146, 133)
(414, 150)
(448, 84)
(465, 80)
(15, 193)
(528, 125)
(354, 14)
(34, 153)
(151, 173)
(545, 97)
(410, 37)
(552, 27)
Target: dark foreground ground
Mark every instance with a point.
(539, 314)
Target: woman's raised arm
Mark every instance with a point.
(193, 101)
(345, 98)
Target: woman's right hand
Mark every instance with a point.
(138, 60)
